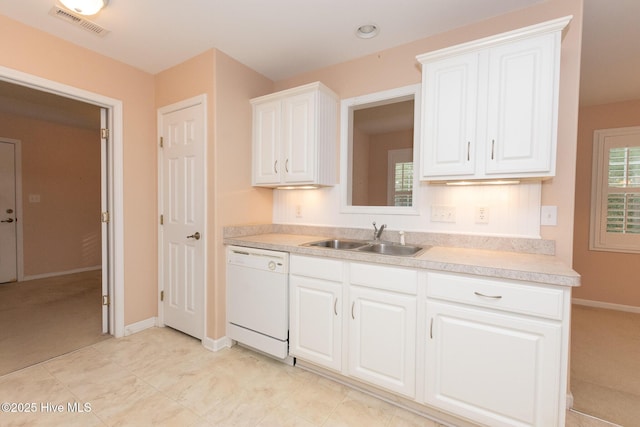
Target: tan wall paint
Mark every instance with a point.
(606, 276)
(61, 164)
(229, 86)
(398, 67)
(34, 52)
(380, 145)
(236, 201)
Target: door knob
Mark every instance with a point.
(7, 220)
(195, 235)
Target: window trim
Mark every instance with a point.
(599, 239)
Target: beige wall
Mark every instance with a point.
(398, 67)
(61, 164)
(34, 52)
(381, 144)
(606, 276)
(228, 86)
(231, 85)
(236, 201)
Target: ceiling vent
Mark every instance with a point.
(74, 19)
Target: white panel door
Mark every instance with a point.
(8, 219)
(382, 339)
(450, 97)
(266, 143)
(183, 209)
(315, 332)
(495, 368)
(298, 135)
(104, 207)
(520, 133)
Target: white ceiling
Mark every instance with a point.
(282, 38)
(278, 38)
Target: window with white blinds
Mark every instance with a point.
(400, 177)
(615, 218)
(403, 184)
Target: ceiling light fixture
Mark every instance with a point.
(367, 31)
(85, 7)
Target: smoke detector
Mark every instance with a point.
(79, 21)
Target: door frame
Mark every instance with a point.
(116, 180)
(186, 103)
(17, 151)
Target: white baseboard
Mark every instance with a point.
(607, 305)
(140, 326)
(60, 273)
(216, 345)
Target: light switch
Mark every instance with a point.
(34, 198)
(549, 215)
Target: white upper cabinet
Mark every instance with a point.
(295, 137)
(490, 107)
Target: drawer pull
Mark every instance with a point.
(335, 306)
(488, 296)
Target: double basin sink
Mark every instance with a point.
(383, 248)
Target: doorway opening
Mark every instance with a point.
(107, 241)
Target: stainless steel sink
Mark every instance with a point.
(363, 246)
(391, 249)
(338, 244)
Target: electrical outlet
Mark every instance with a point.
(443, 214)
(482, 215)
(298, 211)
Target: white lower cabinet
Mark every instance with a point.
(315, 314)
(494, 352)
(382, 339)
(486, 361)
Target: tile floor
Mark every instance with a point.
(161, 377)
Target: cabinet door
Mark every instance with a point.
(266, 143)
(522, 107)
(496, 369)
(299, 129)
(316, 321)
(450, 109)
(382, 337)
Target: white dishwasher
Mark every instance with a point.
(258, 300)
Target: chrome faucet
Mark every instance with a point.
(377, 232)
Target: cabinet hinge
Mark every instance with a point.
(105, 217)
(161, 295)
(161, 142)
(105, 300)
(161, 219)
(104, 133)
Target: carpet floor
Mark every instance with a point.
(44, 318)
(605, 364)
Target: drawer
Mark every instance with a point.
(504, 295)
(319, 268)
(383, 277)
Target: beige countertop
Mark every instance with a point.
(546, 269)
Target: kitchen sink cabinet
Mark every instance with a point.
(491, 106)
(490, 351)
(294, 137)
(488, 358)
(315, 332)
(382, 339)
